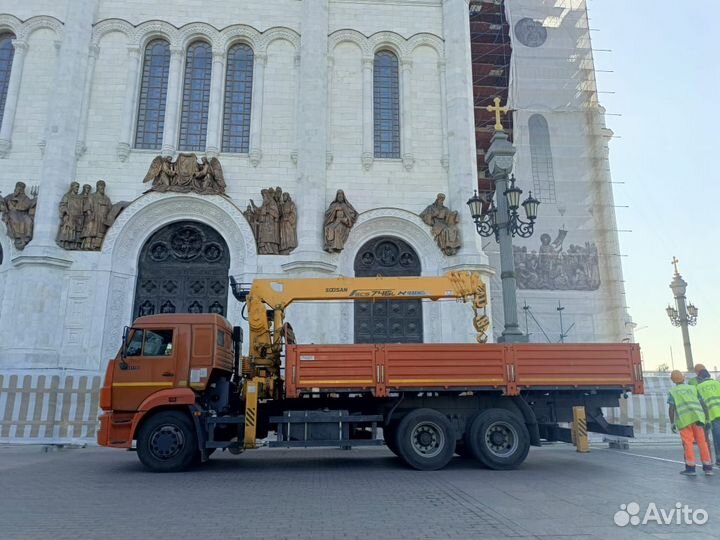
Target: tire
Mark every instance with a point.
(167, 442)
(498, 439)
(426, 440)
(390, 436)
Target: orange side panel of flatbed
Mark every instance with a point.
(507, 368)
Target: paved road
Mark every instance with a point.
(333, 494)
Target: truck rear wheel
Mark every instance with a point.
(425, 439)
(166, 442)
(498, 439)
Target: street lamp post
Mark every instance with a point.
(502, 219)
(683, 314)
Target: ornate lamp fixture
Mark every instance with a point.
(485, 214)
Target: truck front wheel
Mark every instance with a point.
(425, 439)
(498, 439)
(166, 442)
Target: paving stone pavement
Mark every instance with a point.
(334, 494)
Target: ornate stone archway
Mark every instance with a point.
(144, 217)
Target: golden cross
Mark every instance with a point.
(498, 110)
(675, 261)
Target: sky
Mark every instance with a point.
(665, 81)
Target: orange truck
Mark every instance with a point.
(181, 386)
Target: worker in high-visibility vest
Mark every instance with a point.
(688, 417)
(709, 391)
(697, 369)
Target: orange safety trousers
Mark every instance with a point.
(695, 433)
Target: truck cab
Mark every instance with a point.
(164, 360)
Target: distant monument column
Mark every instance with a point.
(683, 314)
(34, 335)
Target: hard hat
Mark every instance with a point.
(677, 377)
(699, 368)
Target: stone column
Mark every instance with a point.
(256, 113)
(172, 104)
(406, 127)
(461, 153)
(36, 286)
(462, 169)
(368, 152)
(217, 90)
(444, 159)
(13, 93)
(312, 141)
(81, 147)
(132, 87)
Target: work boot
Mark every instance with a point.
(689, 471)
(707, 469)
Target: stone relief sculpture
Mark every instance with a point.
(71, 218)
(18, 214)
(274, 223)
(85, 217)
(186, 174)
(444, 225)
(553, 268)
(288, 225)
(340, 218)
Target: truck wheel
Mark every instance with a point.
(426, 440)
(390, 436)
(166, 442)
(498, 439)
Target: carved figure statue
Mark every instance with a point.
(274, 223)
(553, 268)
(449, 240)
(288, 225)
(96, 209)
(340, 218)
(186, 174)
(18, 212)
(268, 225)
(71, 218)
(437, 216)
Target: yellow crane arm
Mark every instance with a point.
(278, 294)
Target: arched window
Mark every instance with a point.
(541, 159)
(386, 105)
(153, 92)
(196, 97)
(238, 99)
(7, 52)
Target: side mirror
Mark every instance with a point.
(123, 348)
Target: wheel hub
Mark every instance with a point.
(166, 441)
(501, 439)
(428, 439)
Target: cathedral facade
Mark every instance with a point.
(151, 150)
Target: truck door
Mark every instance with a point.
(150, 365)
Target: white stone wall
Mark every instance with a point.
(557, 80)
(77, 321)
(67, 309)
